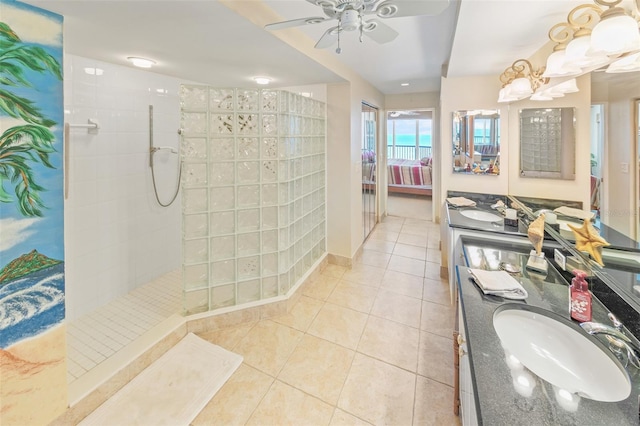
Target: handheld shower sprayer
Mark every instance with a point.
(153, 150)
(160, 148)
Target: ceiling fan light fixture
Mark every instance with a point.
(386, 10)
(350, 20)
(353, 16)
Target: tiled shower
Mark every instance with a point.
(253, 193)
(122, 248)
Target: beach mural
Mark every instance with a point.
(32, 337)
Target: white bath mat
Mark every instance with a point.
(172, 390)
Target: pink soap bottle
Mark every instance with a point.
(580, 297)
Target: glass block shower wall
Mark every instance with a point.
(253, 188)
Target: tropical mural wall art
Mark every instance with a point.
(32, 335)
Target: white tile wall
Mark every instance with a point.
(117, 237)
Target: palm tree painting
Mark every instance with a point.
(32, 283)
(31, 142)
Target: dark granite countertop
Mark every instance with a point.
(484, 202)
(613, 237)
(497, 401)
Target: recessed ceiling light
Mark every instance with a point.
(141, 62)
(404, 84)
(262, 80)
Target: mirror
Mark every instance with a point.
(547, 143)
(637, 143)
(369, 144)
(476, 142)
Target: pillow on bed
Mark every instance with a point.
(368, 156)
(426, 161)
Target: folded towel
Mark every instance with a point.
(461, 202)
(498, 283)
(577, 213)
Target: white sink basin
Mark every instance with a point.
(480, 215)
(558, 351)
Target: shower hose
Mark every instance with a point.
(155, 188)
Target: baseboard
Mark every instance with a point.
(444, 272)
(334, 259)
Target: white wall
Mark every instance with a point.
(574, 190)
(344, 163)
(481, 92)
(116, 235)
(465, 93)
(339, 170)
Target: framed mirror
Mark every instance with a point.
(476, 142)
(547, 143)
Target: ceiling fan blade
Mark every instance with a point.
(401, 8)
(377, 31)
(294, 23)
(328, 38)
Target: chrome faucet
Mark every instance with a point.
(617, 339)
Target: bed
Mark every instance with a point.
(403, 176)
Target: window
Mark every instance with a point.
(409, 134)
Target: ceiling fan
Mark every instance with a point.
(353, 15)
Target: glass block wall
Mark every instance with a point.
(253, 193)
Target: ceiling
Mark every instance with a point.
(204, 41)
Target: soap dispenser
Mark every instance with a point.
(580, 297)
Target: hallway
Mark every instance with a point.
(367, 345)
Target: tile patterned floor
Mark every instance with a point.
(369, 345)
(407, 205)
(94, 337)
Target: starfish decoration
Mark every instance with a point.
(588, 240)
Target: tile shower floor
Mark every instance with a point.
(94, 337)
(367, 345)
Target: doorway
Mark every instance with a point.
(410, 162)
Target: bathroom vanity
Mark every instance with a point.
(492, 386)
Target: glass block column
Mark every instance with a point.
(253, 188)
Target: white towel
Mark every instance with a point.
(498, 283)
(461, 202)
(577, 213)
